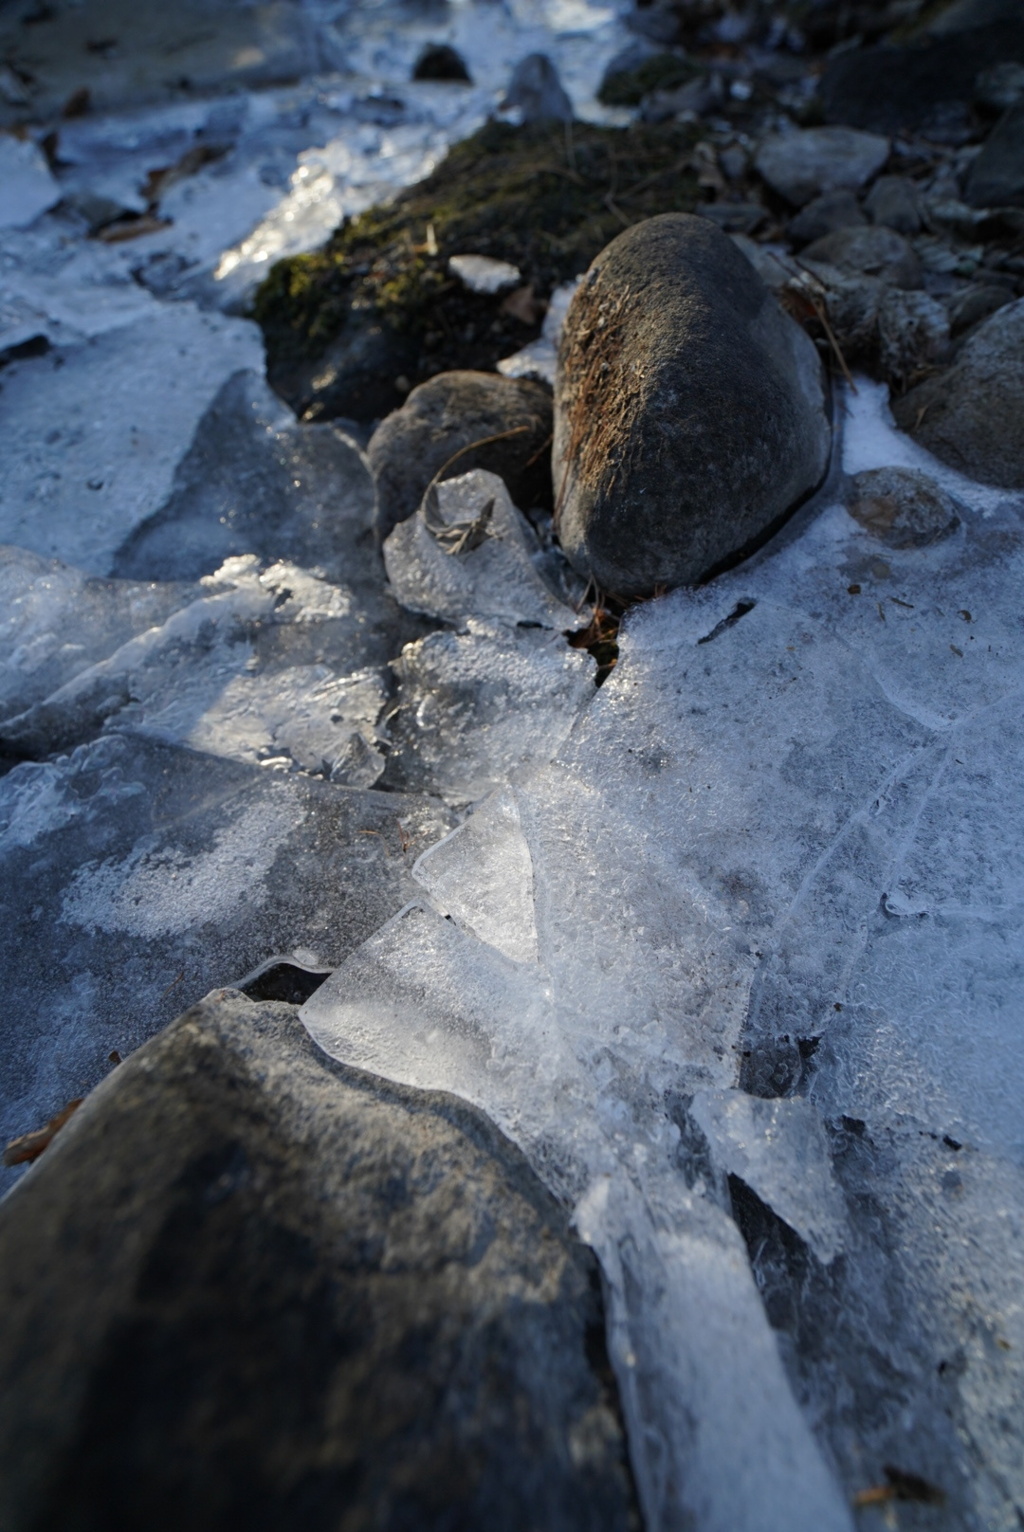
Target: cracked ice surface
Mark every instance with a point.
(751, 943)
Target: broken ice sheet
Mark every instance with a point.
(475, 707)
(468, 552)
(200, 679)
(253, 481)
(482, 877)
(716, 1435)
(779, 854)
(158, 873)
(94, 432)
(779, 1149)
(55, 622)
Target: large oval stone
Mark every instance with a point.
(689, 410)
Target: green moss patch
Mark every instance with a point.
(546, 199)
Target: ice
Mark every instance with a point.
(774, 880)
(26, 186)
(255, 482)
(137, 875)
(425, 1003)
(488, 854)
(779, 1149)
(482, 274)
(476, 707)
(55, 622)
(93, 433)
(468, 552)
(200, 679)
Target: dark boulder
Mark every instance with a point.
(925, 88)
(970, 415)
(246, 1287)
(996, 178)
(689, 410)
(450, 413)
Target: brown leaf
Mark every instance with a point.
(23, 1150)
(131, 228)
(522, 305)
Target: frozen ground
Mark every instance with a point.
(731, 946)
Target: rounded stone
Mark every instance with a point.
(447, 415)
(873, 250)
(689, 410)
(803, 163)
(970, 415)
(902, 507)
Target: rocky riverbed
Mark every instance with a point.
(511, 802)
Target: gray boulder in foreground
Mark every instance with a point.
(246, 1287)
(972, 415)
(689, 410)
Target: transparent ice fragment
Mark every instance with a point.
(779, 1149)
(199, 679)
(55, 622)
(482, 876)
(475, 707)
(468, 552)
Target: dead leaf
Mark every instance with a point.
(522, 305)
(23, 1150)
(131, 228)
(159, 181)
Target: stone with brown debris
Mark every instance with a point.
(689, 410)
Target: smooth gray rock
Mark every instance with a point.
(537, 91)
(449, 413)
(247, 1287)
(872, 251)
(892, 201)
(831, 211)
(802, 164)
(689, 409)
(996, 178)
(970, 415)
(902, 507)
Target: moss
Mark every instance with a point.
(664, 71)
(546, 199)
